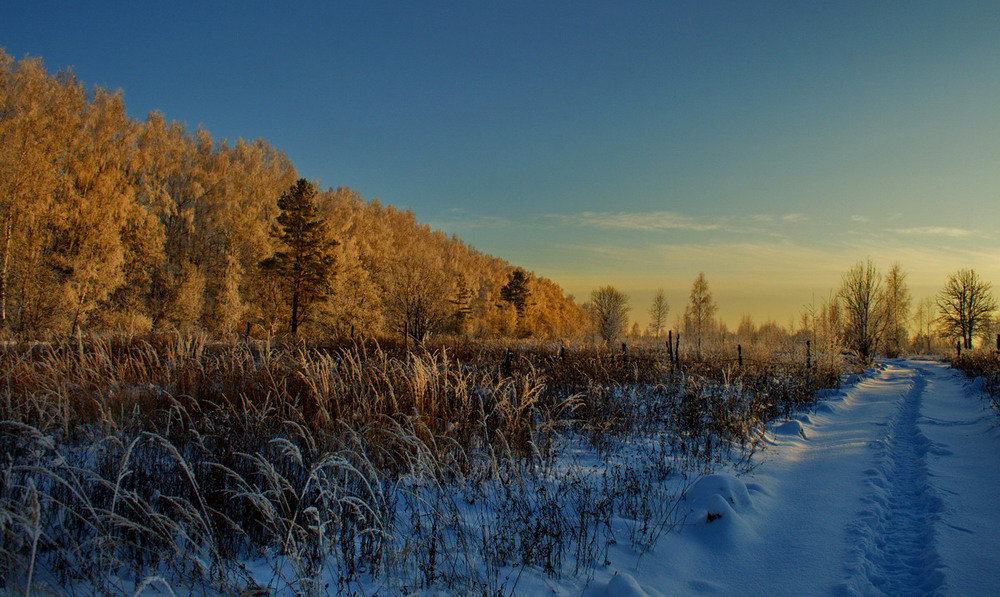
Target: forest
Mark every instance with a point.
(114, 225)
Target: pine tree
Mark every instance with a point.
(306, 264)
(516, 291)
(463, 305)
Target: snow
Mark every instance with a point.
(888, 487)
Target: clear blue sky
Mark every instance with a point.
(636, 143)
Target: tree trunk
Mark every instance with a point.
(4, 269)
(295, 310)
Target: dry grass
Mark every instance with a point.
(171, 461)
(982, 363)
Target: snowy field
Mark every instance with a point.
(882, 487)
(887, 487)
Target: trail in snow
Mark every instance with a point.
(889, 487)
(894, 551)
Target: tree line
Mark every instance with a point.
(870, 314)
(109, 223)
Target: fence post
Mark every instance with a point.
(624, 350)
(670, 345)
(958, 349)
(562, 352)
(677, 349)
(505, 365)
(808, 354)
(739, 355)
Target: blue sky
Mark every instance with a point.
(769, 145)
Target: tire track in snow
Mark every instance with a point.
(894, 548)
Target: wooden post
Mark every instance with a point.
(958, 349)
(505, 365)
(562, 352)
(624, 350)
(677, 349)
(670, 345)
(739, 355)
(808, 354)
(246, 335)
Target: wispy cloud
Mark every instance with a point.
(460, 219)
(859, 219)
(652, 221)
(643, 221)
(935, 231)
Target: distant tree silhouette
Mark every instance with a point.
(658, 313)
(896, 303)
(864, 311)
(965, 305)
(699, 316)
(306, 264)
(609, 309)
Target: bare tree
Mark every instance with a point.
(609, 308)
(896, 303)
(923, 320)
(658, 314)
(700, 312)
(965, 305)
(864, 312)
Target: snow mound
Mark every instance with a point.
(716, 504)
(790, 428)
(625, 585)
(719, 494)
(825, 408)
(733, 490)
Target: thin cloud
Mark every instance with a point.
(794, 218)
(650, 221)
(935, 231)
(859, 219)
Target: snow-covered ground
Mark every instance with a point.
(890, 486)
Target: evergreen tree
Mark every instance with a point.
(516, 291)
(306, 264)
(463, 306)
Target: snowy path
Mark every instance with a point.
(891, 487)
(895, 549)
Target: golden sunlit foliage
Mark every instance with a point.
(107, 223)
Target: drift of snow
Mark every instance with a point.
(893, 493)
